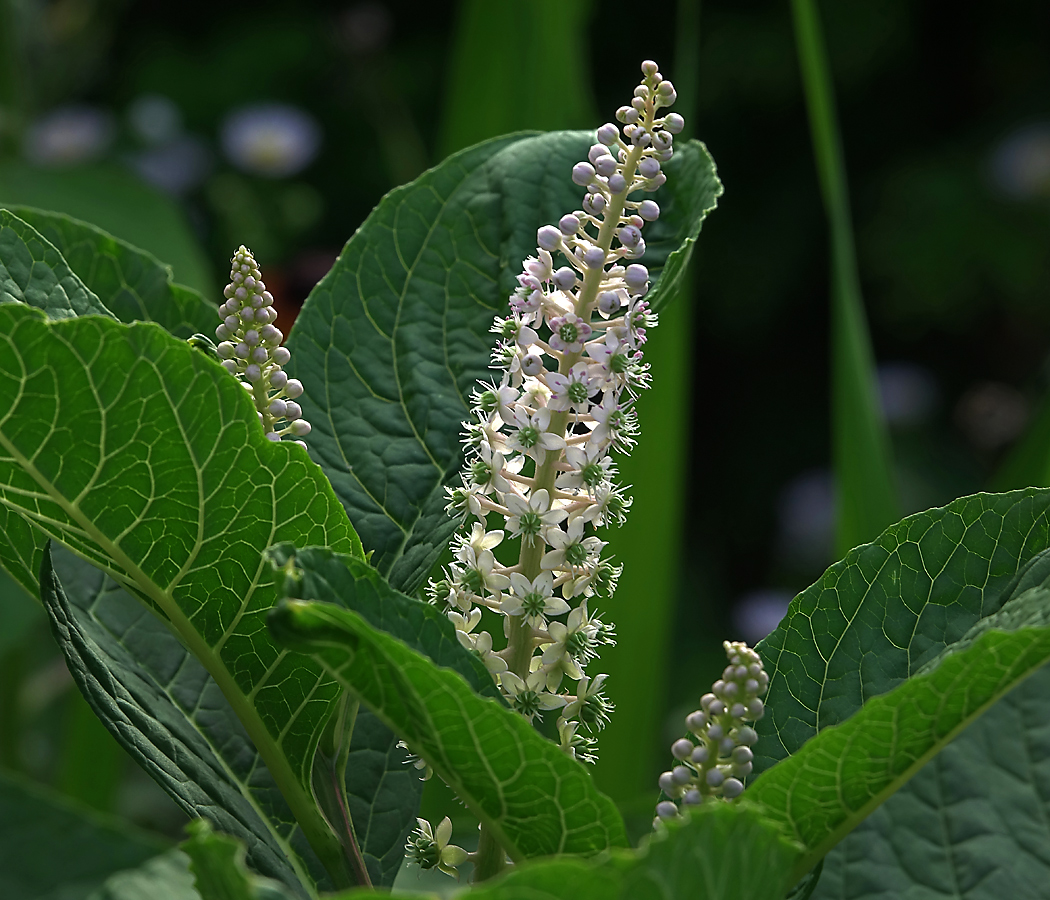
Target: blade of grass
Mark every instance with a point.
(493, 90)
(866, 497)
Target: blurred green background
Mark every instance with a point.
(190, 128)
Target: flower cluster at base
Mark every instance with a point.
(251, 350)
(430, 849)
(715, 761)
(540, 436)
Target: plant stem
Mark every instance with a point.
(866, 497)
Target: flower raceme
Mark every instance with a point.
(251, 350)
(539, 470)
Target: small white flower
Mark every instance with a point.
(572, 391)
(532, 519)
(528, 696)
(591, 468)
(589, 705)
(531, 436)
(568, 333)
(571, 549)
(611, 421)
(533, 600)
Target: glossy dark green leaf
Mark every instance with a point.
(535, 799)
(21, 551)
(391, 343)
(54, 849)
(146, 458)
(133, 284)
(823, 790)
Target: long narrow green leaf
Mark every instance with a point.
(493, 92)
(536, 800)
(826, 788)
(866, 497)
(392, 342)
(146, 458)
(133, 284)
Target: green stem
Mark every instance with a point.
(866, 496)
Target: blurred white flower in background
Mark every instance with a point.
(991, 414)
(273, 139)
(154, 119)
(69, 135)
(1020, 163)
(176, 166)
(907, 391)
(367, 26)
(757, 613)
(806, 513)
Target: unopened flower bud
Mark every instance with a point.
(594, 258)
(548, 237)
(608, 302)
(608, 134)
(636, 277)
(605, 166)
(666, 809)
(565, 277)
(649, 211)
(294, 388)
(674, 123)
(732, 788)
(569, 224)
(582, 173)
(617, 183)
(648, 167)
(281, 356)
(682, 748)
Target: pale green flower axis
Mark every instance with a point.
(251, 350)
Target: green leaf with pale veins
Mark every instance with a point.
(536, 800)
(390, 344)
(54, 849)
(873, 620)
(21, 550)
(32, 271)
(146, 458)
(133, 284)
(822, 791)
(164, 708)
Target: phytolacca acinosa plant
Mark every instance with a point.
(539, 438)
(251, 350)
(714, 761)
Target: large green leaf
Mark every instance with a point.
(144, 457)
(133, 284)
(165, 877)
(391, 342)
(113, 198)
(722, 852)
(536, 800)
(826, 788)
(53, 849)
(872, 621)
(168, 713)
(32, 271)
(974, 822)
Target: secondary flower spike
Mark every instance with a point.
(251, 349)
(715, 759)
(541, 434)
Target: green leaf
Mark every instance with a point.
(118, 201)
(889, 608)
(54, 849)
(721, 852)
(217, 864)
(972, 823)
(826, 788)
(536, 800)
(165, 877)
(391, 343)
(866, 495)
(872, 621)
(144, 457)
(32, 271)
(133, 284)
(158, 701)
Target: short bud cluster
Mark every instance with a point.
(541, 434)
(716, 758)
(429, 848)
(250, 348)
